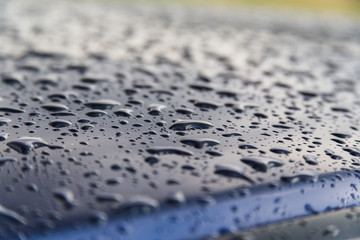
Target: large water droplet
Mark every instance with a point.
(169, 150)
(65, 195)
(102, 104)
(59, 123)
(11, 216)
(231, 171)
(190, 124)
(199, 142)
(25, 145)
(261, 163)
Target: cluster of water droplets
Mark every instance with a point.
(141, 136)
(99, 138)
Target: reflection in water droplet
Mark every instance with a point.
(310, 159)
(140, 203)
(102, 104)
(5, 160)
(3, 136)
(185, 111)
(123, 112)
(59, 123)
(175, 198)
(280, 150)
(303, 175)
(65, 195)
(11, 216)
(4, 121)
(190, 125)
(155, 109)
(11, 110)
(109, 197)
(331, 230)
(231, 171)
(96, 113)
(55, 107)
(199, 142)
(25, 145)
(169, 150)
(262, 163)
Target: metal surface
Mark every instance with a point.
(133, 122)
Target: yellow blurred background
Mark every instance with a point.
(340, 7)
(347, 7)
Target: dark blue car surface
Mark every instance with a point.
(125, 121)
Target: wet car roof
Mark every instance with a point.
(151, 123)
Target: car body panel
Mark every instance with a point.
(166, 129)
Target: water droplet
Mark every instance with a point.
(175, 198)
(231, 171)
(102, 104)
(310, 159)
(11, 110)
(96, 113)
(155, 109)
(141, 203)
(109, 197)
(262, 163)
(182, 125)
(169, 150)
(25, 145)
(303, 175)
(3, 136)
(4, 121)
(331, 230)
(5, 160)
(280, 150)
(59, 123)
(65, 195)
(199, 142)
(185, 111)
(11, 216)
(55, 107)
(123, 112)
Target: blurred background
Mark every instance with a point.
(127, 29)
(342, 7)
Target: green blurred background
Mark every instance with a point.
(342, 7)
(334, 6)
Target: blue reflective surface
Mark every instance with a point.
(232, 212)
